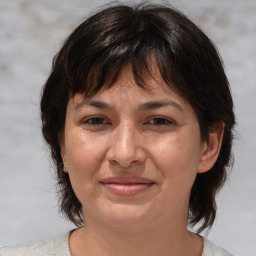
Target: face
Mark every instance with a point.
(132, 155)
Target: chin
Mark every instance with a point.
(127, 215)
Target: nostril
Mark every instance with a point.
(126, 159)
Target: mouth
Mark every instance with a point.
(126, 186)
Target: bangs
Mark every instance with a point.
(104, 74)
(95, 63)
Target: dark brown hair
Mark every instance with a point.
(92, 58)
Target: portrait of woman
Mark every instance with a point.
(139, 119)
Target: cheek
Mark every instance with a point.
(177, 151)
(85, 156)
(177, 157)
(82, 150)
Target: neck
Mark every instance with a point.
(168, 240)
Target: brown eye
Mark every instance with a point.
(97, 120)
(159, 121)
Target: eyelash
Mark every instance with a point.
(163, 121)
(91, 121)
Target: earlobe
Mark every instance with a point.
(211, 149)
(63, 155)
(65, 167)
(65, 164)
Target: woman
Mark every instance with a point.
(138, 114)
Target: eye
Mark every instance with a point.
(95, 120)
(159, 121)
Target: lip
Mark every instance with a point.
(126, 186)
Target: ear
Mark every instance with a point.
(64, 160)
(211, 148)
(63, 153)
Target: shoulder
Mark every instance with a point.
(52, 247)
(211, 249)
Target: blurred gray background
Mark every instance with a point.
(30, 34)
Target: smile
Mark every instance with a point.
(124, 186)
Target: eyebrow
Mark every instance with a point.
(159, 104)
(144, 106)
(93, 103)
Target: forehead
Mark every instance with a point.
(127, 89)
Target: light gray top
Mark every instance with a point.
(59, 247)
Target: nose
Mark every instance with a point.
(126, 147)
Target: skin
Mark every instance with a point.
(120, 133)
